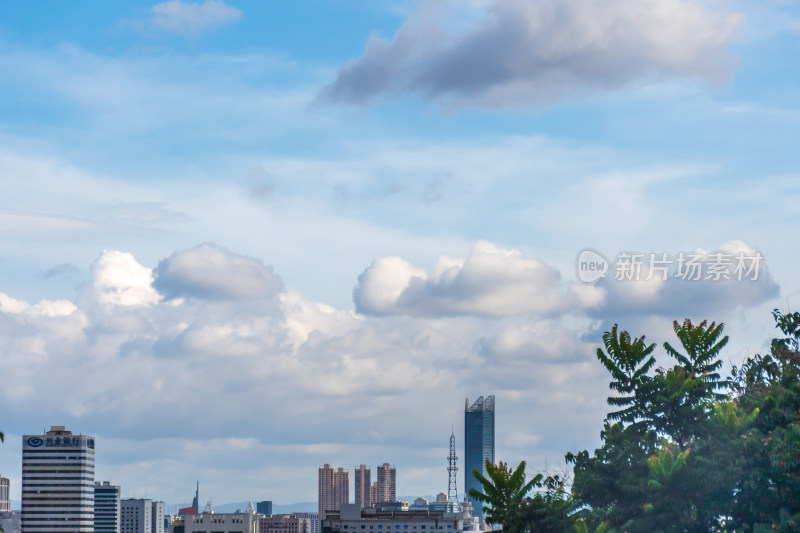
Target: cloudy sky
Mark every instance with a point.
(240, 239)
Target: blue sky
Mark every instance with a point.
(248, 238)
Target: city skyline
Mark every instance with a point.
(242, 239)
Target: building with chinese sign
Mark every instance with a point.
(58, 482)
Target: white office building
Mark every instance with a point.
(136, 516)
(142, 516)
(157, 517)
(58, 482)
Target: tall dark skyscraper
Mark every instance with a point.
(264, 507)
(478, 445)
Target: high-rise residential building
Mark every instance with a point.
(334, 489)
(387, 478)
(325, 493)
(58, 482)
(478, 445)
(106, 507)
(341, 487)
(373, 492)
(136, 516)
(264, 507)
(363, 486)
(5, 494)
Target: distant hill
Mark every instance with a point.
(300, 507)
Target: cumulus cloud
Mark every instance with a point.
(521, 52)
(138, 370)
(491, 281)
(213, 273)
(47, 308)
(192, 18)
(119, 279)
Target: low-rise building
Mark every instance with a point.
(5, 494)
(220, 523)
(352, 519)
(313, 520)
(11, 521)
(283, 523)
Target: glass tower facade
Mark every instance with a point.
(478, 445)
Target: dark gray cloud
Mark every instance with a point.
(62, 270)
(262, 190)
(522, 51)
(210, 272)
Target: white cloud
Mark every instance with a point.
(518, 52)
(267, 377)
(119, 279)
(192, 18)
(210, 272)
(491, 281)
(287, 383)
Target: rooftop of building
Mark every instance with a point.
(58, 430)
(480, 405)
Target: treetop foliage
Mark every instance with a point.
(683, 450)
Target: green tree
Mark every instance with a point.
(768, 388)
(504, 495)
(552, 509)
(657, 458)
(683, 450)
(628, 360)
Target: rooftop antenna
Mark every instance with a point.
(452, 470)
